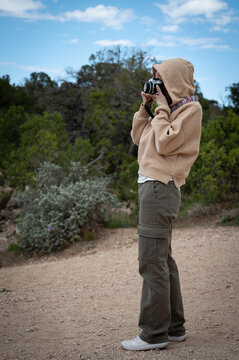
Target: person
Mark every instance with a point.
(168, 144)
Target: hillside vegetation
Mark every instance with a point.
(83, 123)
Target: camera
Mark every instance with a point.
(149, 87)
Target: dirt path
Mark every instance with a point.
(82, 307)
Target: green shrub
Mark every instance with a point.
(10, 133)
(122, 219)
(215, 173)
(62, 203)
(13, 248)
(127, 185)
(230, 217)
(42, 138)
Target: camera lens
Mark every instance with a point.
(146, 87)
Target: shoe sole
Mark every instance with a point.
(145, 348)
(177, 338)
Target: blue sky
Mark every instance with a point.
(53, 35)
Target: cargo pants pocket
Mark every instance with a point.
(153, 244)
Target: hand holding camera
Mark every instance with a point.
(146, 99)
(154, 90)
(151, 91)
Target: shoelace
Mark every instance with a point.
(138, 340)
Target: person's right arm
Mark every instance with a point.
(141, 118)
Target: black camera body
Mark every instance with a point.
(149, 87)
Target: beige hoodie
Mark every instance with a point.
(169, 143)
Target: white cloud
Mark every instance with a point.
(157, 57)
(147, 20)
(170, 28)
(182, 10)
(26, 9)
(165, 42)
(114, 42)
(203, 43)
(216, 12)
(153, 42)
(109, 16)
(32, 68)
(19, 8)
(74, 41)
(219, 28)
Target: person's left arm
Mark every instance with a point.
(169, 136)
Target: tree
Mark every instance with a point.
(11, 95)
(217, 166)
(234, 96)
(111, 86)
(39, 87)
(42, 138)
(10, 133)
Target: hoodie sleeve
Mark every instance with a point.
(169, 136)
(140, 120)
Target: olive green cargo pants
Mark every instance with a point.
(161, 309)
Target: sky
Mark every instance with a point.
(55, 35)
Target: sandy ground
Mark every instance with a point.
(82, 304)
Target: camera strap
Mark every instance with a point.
(148, 109)
(173, 108)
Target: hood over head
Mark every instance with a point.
(177, 76)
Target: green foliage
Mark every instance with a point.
(210, 108)
(217, 166)
(11, 95)
(39, 87)
(230, 217)
(39, 80)
(111, 86)
(93, 126)
(122, 219)
(10, 132)
(5, 290)
(13, 248)
(54, 213)
(2, 180)
(82, 150)
(234, 96)
(42, 138)
(6, 92)
(128, 175)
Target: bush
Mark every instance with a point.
(127, 185)
(215, 174)
(42, 138)
(122, 219)
(55, 212)
(230, 217)
(10, 134)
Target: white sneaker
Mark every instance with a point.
(139, 344)
(177, 338)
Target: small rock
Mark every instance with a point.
(29, 330)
